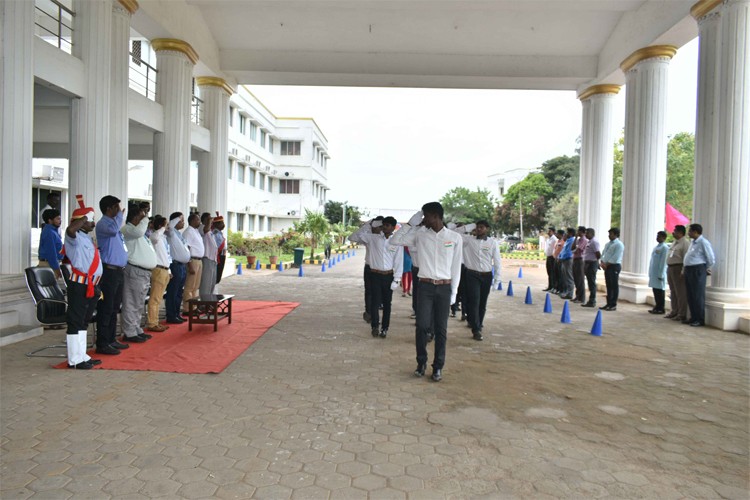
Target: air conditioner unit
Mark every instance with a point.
(275, 172)
(247, 157)
(233, 152)
(257, 163)
(268, 169)
(51, 173)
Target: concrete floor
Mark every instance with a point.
(317, 408)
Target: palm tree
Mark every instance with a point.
(316, 226)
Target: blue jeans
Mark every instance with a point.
(173, 300)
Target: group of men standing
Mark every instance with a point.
(132, 257)
(443, 258)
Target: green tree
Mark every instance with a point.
(528, 198)
(617, 181)
(316, 226)
(562, 174)
(563, 212)
(334, 210)
(462, 205)
(680, 172)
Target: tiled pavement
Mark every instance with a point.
(317, 408)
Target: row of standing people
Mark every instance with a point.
(437, 255)
(132, 257)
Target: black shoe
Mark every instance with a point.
(83, 365)
(453, 314)
(656, 311)
(686, 321)
(437, 374)
(419, 372)
(95, 362)
(144, 336)
(366, 316)
(696, 323)
(463, 317)
(108, 349)
(119, 345)
(575, 301)
(136, 340)
(566, 297)
(604, 308)
(375, 331)
(547, 289)
(175, 321)
(477, 336)
(589, 304)
(554, 291)
(612, 308)
(430, 337)
(383, 332)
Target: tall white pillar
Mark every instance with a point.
(644, 172)
(212, 173)
(174, 60)
(597, 157)
(90, 115)
(17, 135)
(122, 10)
(728, 297)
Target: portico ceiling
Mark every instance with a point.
(531, 44)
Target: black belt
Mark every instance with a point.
(196, 258)
(162, 267)
(435, 282)
(113, 268)
(378, 271)
(577, 258)
(673, 265)
(141, 268)
(480, 273)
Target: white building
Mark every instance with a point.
(499, 183)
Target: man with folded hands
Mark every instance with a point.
(440, 255)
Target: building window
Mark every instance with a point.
(231, 165)
(231, 116)
(243, 120)
(253, 131)
(263, 138)
(270, 184)
(240, 173)
(289, 186)
(251, 177)
(270, 145)
(291, 148)
(240, 222)
(262, 182)
(251, 222)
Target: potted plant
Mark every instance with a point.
(251, 260)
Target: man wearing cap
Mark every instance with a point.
(83, 289)
(481, 253)
(50, 243)
(386, 267)
(160, 275)
(114, 255)
(141, 261)
(180, 254)
(194, 238)
(210, 251)
(440, 256)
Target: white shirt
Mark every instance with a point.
(211, 248)
(383, 257)
(549, 250)
(414, 256)
(480, 254)
(160, 247)
(140, 250)
(178, 248)
(439, 253)
(194, 239)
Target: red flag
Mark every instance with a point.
(674, 217)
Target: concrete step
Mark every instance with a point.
(744, 324)
(9, 318)
(19, 333)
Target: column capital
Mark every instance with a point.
(159, 44)
(651, 52)
(604, 88)
(214, 81)
(703, 7)
(130, 5)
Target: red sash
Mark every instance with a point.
(89, 276)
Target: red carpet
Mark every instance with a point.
(202, 350)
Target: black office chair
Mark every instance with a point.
(50, 304)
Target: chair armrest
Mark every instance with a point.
(53, 300)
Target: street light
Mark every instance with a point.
(343, 213)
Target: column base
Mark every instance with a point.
(728, 309)
(634, 288)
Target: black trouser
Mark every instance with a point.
(222, 259)
(558, 275)
(590, 267)
(460, 297)
(580, 280)
(659, 299)
(611, 279)
(565, 286)
(695, 282)
(414, 287)
(380, 293)
(550, 272)
(476, 290)
(80, 308)
(111, 284)
(368, 287)
(433, 308)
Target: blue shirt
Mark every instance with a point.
(613, 251)
(567, 251)
(50, 245)
(700, 252)
(80, 251)
(112, 249)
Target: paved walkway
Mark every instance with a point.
(318, 409)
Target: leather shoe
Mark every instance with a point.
(696, 323)
(671, 315)
(137, 339)
(95, 362)
(477, 336)
(419, 372)
(575, 301)
(437, 374)
(383, 332)
(612, 308)
(119, 345)
(604, 308)
(157, 328)
(83, 365)
(589, 304)
(375, 332)
(566, 297)
(144, 335)
(108, 349)
(366, 316)
(678, 318)
(656, 311)
(175, 321)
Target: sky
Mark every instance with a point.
(399, 148)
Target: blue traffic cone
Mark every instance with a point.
(509, 293)
(301, 272)
(329, 263)
(338, 257)
(257, 265)
(528, 296)
(354, 253)
(323, 268)
(500, 286)
(596, 330)
(280, 267)
(520, 272)
(239, 268)
(548, 305)
(565, 318)
(348, 254)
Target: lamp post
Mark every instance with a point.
(520, 213)
(343, 214)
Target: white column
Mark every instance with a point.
(212, 173)
(119, 124)
(644, 172)
(90, 115)
(17, 136)
(175, 60)
(728, 297)
(597, 157)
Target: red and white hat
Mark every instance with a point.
(82, 210)
(218, 218)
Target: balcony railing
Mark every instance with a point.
(54, 24)
(196, 110)
(142, 77)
